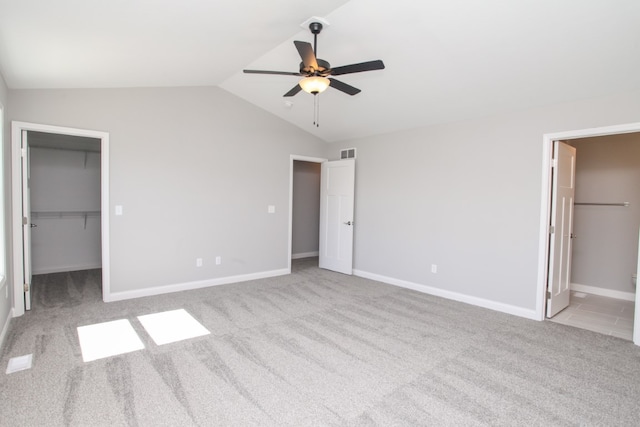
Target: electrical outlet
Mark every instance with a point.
(434, 268)
(218, 260)
(198, 262)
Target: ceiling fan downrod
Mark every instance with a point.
(315, 28)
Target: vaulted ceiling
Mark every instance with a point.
(446, 60)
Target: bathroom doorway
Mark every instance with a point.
(606, 287)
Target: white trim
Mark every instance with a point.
(603, 292)
(468, 299)
(68, 268)
(5, 329)
(179, 287)
(292, 158)
(16, 198)
(4, 208)
(636, 316)
(305, 255)
(545, 195)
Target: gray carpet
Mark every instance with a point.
(313, 348)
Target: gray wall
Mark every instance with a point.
(466, 197)
(5, 303)
(605, 252)
(67, 182)
(178, 165)
(305, 227)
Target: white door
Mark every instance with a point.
(337, 183)
(561, 228)
(26, 222)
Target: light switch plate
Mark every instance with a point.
(271, 209)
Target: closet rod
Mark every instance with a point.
(625, 204)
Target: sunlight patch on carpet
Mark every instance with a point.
(19, 363)
(172, 326)
(108, 339)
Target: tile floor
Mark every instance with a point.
(599, 314)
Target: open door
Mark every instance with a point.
(336, 215)
(561, 228)
(26, 221)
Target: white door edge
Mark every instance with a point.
(636, 315)
(292, 159)
(16, 199)
(545, 204)
(26, 216)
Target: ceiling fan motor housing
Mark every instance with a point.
(324, 69)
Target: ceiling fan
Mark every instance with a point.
(316, 72)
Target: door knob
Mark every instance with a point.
(348, 223)
(33, 225)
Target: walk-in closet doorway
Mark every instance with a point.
(60, 205)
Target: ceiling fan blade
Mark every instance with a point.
(306, 53)
(358, 68)
(280, 73)
(343, 87)
(294, 90)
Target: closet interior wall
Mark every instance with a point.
(65, 205)
(607, 215)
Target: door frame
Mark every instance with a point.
(545, 202)
(16, 201)
(292, 159)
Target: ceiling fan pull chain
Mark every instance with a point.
(316, 110)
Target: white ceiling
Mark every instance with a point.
(446, 60)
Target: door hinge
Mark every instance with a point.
(554, 163)
(26, 287)
(25, 220)
(548, 294)
(552, 229)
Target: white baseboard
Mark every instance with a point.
(468, 299)
(594, 290)
(305, 255)
(49, 270)
(179, 287)
(5, 329)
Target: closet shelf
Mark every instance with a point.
(66, 214)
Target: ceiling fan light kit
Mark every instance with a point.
(316, 72)
(314, 85)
